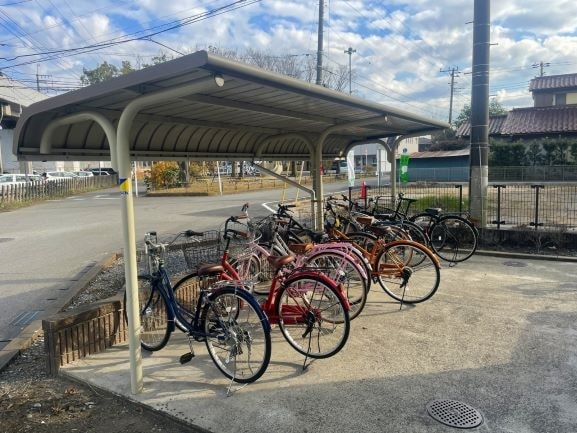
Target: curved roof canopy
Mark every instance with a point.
(254, 115)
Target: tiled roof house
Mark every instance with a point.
(554, 112)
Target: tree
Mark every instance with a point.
(506, 154)
(495, 109)
(534, 154)
(446, 140)
(102, 72)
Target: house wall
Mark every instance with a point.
(449, 169)
(571, 98)
(9, 163)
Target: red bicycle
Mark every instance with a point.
(310, 309)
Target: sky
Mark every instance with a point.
(404, 50)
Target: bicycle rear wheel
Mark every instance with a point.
(313, 318)
(408, 272)
(342, 270)
(186, 292)
(453, 238)
(154, 315)
(237, 334)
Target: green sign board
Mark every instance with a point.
(404, 168)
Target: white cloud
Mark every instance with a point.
(401, 45)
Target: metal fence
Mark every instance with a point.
(519, 206)
(47, 189)
(550, 173)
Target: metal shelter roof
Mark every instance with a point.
(254, 115)
(201, 106)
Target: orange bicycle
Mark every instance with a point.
(406, 270)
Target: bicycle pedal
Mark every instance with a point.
(187, 357)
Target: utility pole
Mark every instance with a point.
(454, 71)
(350, 51)
(479, 154)
(320, 43)
(541, 65)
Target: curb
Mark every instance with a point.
(34, 329)
(526, 256)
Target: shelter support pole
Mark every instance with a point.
(130, 266)
(391, 155)
(105, 124)
(317, 204)
(317, 157)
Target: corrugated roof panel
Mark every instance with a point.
(252, 106)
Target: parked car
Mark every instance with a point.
(83, 173)
(102, 171)
(18, 178)
(56, 175)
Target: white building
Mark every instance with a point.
(13, 97)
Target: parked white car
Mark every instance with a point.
(83, 173)
(56, 175)
(18, 178)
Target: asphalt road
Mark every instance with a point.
(45, 247)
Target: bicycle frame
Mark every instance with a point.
(269, 306)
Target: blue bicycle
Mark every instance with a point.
(226, 317)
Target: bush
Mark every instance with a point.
(164, 175)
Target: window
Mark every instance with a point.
(560, 99)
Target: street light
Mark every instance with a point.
(350, 51)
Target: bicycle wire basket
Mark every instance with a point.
(200, 249)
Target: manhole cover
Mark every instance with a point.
(515, 264)
(454, 413)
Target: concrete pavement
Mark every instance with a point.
(498, 336)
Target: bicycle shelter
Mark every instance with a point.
(204, 107)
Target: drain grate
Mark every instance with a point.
(454, 413)
(25, 318)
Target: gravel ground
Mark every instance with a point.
(30, 401)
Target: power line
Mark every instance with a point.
(57, 54)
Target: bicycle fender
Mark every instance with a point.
(425, 249)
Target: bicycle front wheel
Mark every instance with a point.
(408, 272)
(237, 334)
(341, 269)
(313, 318)
(154, 315)
(453, 238)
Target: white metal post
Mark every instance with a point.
(130, 267)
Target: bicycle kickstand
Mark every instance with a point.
(187, 357)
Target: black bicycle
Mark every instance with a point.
(226, 317)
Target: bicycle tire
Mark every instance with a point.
(388, 231)
(237, 334)
(415, 232)
(408, 272)
(364, 240)
(313, 316)
(453, 238)
(342, 270)
(154, 315)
